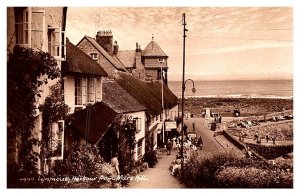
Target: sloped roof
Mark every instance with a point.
(93, 121)
(127, 58)
(153, 49)
(118, 99)
(78, 62)
(147, 93)
(112, 60)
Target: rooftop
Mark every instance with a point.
(78, 62)
(147, 93)
(153, 50)
(112, 60)
(119, 99)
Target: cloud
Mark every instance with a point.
(241, 48)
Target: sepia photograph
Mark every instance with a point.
(150, 97)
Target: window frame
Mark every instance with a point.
(161, 59)
(20, 27)
(57, 43)
(139, 148)
(138, 124)
(76, 91)
(61, 156)
(92, 55)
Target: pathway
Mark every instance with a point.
(159, 176)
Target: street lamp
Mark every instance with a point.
(182, 96)
(182, 121)
(162, 102)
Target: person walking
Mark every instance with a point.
(116, 171)
(169, 147)
(185, 129)
(200, 142)
(194, 128)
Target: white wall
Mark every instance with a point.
(69, 92)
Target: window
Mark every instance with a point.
(22, 27)
(138, 124)
(54, 44)
(30, 25)
(161, 59)
(140, 148)
(57, 43)
(91, 90)
(57, 140)
(94, 56)
(87, 91)
(78, 91)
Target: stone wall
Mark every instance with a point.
(88, 48)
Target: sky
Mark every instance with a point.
(221, 43)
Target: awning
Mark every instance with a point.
(93, 121)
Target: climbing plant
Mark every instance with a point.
(27, 71)
(53, 109)
(125, 129)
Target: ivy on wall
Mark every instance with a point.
(27, 70)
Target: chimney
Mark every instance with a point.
(105, 39)
(137, 47)
(116, 48)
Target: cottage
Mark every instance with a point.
(149, 94)
(82, 79)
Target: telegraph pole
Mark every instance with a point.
(182, 96)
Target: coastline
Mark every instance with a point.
(254, 106)
(239, 96)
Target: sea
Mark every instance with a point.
(236, 88)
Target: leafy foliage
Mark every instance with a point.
(150, 158)
(223, 169)
(126, 131)
(83, 159)
(27, 70)
(53, 109)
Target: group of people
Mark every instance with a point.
(175, 143)
(258, 138)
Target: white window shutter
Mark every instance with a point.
(99, 90)
(84, 91)
(37, 31)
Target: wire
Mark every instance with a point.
(249, 39)
(98, 16)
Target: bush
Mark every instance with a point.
(223, 169)
(252, 177)
(201, 169)
(150, 158)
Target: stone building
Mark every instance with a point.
(155, 62)
(149, 64)
(100, 50)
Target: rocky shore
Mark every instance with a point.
(226, 106)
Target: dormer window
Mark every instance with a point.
(161, 59)
(94, 56)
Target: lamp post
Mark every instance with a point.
(162, 102)
(182, 96)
